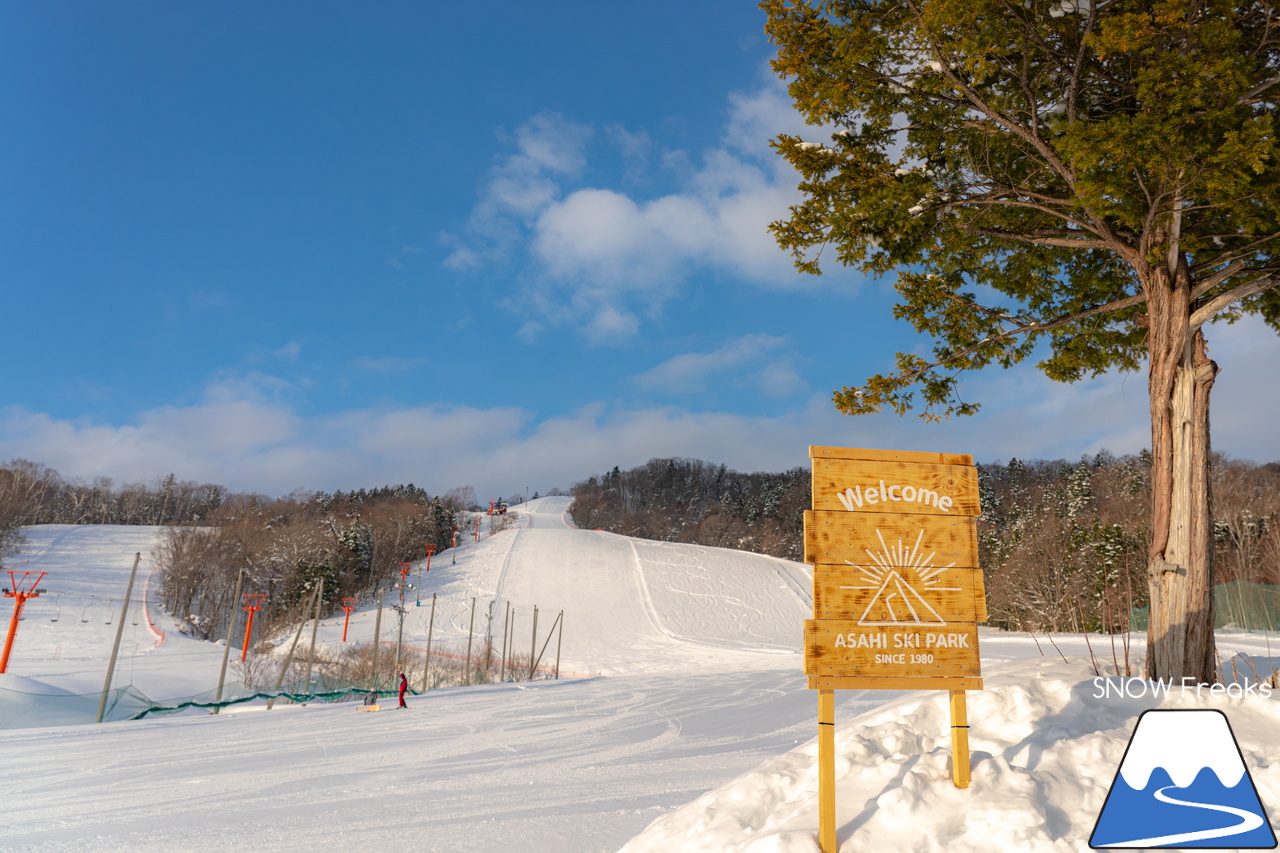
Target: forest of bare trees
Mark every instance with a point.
(31, 493)
(354, 542)
(1063, 544)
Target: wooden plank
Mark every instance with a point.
(817, 451)
(959, 740)
(898, 595)
(839, 647)
(895, 487)
(827, 841)
(881, 539)
(835, 682)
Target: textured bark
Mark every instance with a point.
(1180, 639)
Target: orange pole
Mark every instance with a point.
(19, 600)
(348, 604)
(19, 597)
(248, 631)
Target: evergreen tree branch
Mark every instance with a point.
(1233, 254)
(1024, 326)
(1038, 240)
(1206, 312)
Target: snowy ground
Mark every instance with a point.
(688, 727)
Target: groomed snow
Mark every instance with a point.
(1044, 750)
(686, 726)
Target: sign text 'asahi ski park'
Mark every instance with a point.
(897, 590)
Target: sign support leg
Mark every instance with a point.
(959, 740)
(827, 771)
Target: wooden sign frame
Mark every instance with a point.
(897, 589)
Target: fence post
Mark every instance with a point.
(559, 637)
(431, 626)
(488, 639)
(506, 633)
(289, 657)
(115, 650)
(377, 637)
(226, 651)
(470, 632)
(533, 647)
(311, 658)
(546, 642)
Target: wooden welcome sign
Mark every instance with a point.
(897, 590)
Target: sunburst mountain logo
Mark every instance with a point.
(900, 577)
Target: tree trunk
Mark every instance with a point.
(1180, 639)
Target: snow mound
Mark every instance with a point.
(1045, 745)
(30, 686)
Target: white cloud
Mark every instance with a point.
(553, 143)
(196, 441)
(636, 148)
(692, 372)
(758, 116)
(598, 253)
(549, 148)
(288, 352)
(1245, 401)
(245, 435)
(779, 380)
(609, 325)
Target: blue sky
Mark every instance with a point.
(326, 245)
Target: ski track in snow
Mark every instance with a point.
(699, 737)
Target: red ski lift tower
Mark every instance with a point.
(431, 549)
(348, 604)
(252, 604)
(19, 591)
(405, 568)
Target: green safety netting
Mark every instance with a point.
(39, 705)
(1239, 604)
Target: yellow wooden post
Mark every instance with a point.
(959, 740)
(827, 771)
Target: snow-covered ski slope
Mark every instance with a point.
(66, 634)
(687, 673)
(687, 727)
(632, 605)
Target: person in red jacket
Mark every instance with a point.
(404, 685)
